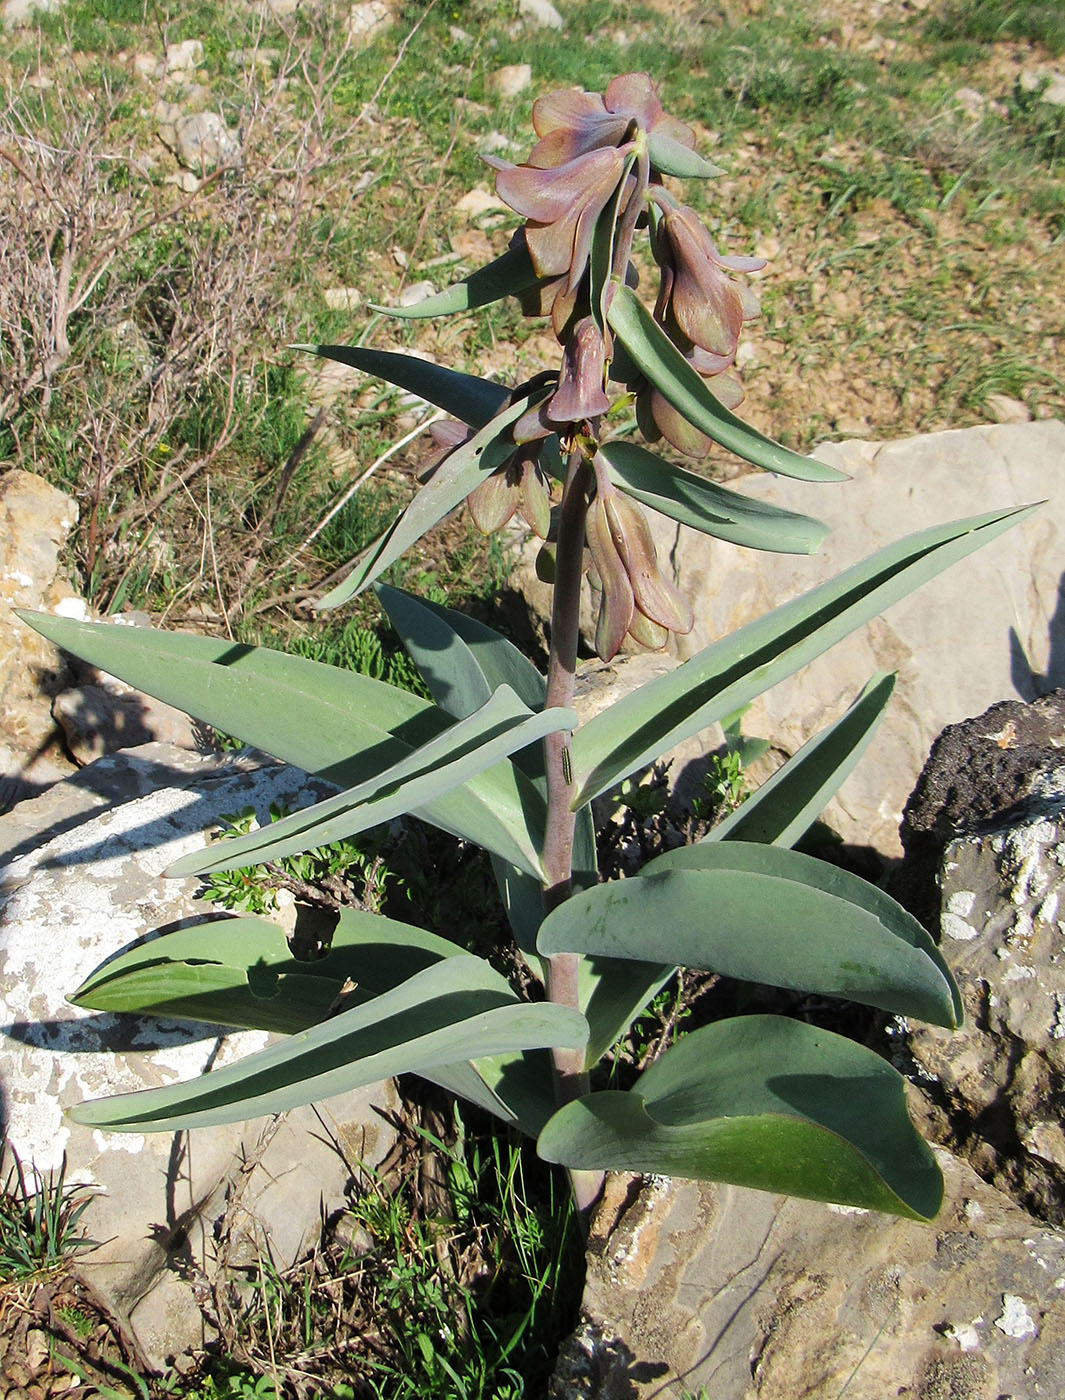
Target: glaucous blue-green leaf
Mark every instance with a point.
(241, 972)
(517, 1087)
(453, 480)
(349, 727)
(672, 158)
(601, 257)
(462, 660)
(464, 396)
(456, 1008)
(509, 275)
(707, 507)
(500, 727)
(784, 808)
(763, 914)
(727, 674)
(659, 360)
(761, 1101)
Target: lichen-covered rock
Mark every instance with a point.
(758, 1297)
(82, 878)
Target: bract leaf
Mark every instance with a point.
(465, 396)
(787, 804)
(652, 351)
(450, 484)
(241, 972)
(509, 275)
(766, 1102)
(454, 1008)
(671, 158)
(349, 729)
(729, 673)
(501, 726)
(764, 914)
(707, 507)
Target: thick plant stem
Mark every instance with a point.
(571, 1077)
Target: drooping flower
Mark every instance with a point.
(562, 205)
(636, 599)
(570, 123)
(707, 304)
(657, 417)
(517, 485)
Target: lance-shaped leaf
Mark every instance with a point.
(764, 914)
(500, 727)
(655, 355)
(787, 804)
(461, 660)
(707, 507)
(517, 1088)
(460, 1006)
(454, 479)
(766, 1102)
(349, 727)
(670, 157)
(509, 275)
(729, 673)
(241, 972)
(464, 396)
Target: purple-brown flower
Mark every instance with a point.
(518, 485)
(570, 123)
(562, 205)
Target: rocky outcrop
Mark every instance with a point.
(82, 879)
(759, 1297)
(987, 821)
(35, 523)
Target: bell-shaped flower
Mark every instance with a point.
(636, 599)
(517, 485)
(580, 394)
(562, 205)
(707, 304)
(570, 123)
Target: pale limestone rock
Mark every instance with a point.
(35, 522)
(1004, 409)
(202, 141)
(368, 19)
(511, 79)
(976, 633)
(183, 57)
(540, 12)
(82, 879)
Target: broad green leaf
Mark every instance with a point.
(509, 275)
(613, 992)
(671, 158)
(456, 476)
(708, 507)
(349, 727)
(501, 726)
(466, 397)
(655, 355)
(727, 674)
(787, 804)
(764, 914)
(241, 972)
(761, 1101)
(457, 1007)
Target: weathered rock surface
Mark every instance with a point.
(760, 1297)
(991, 804)
(35, 521)
(82, 879)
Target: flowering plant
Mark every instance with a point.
(498, 757)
